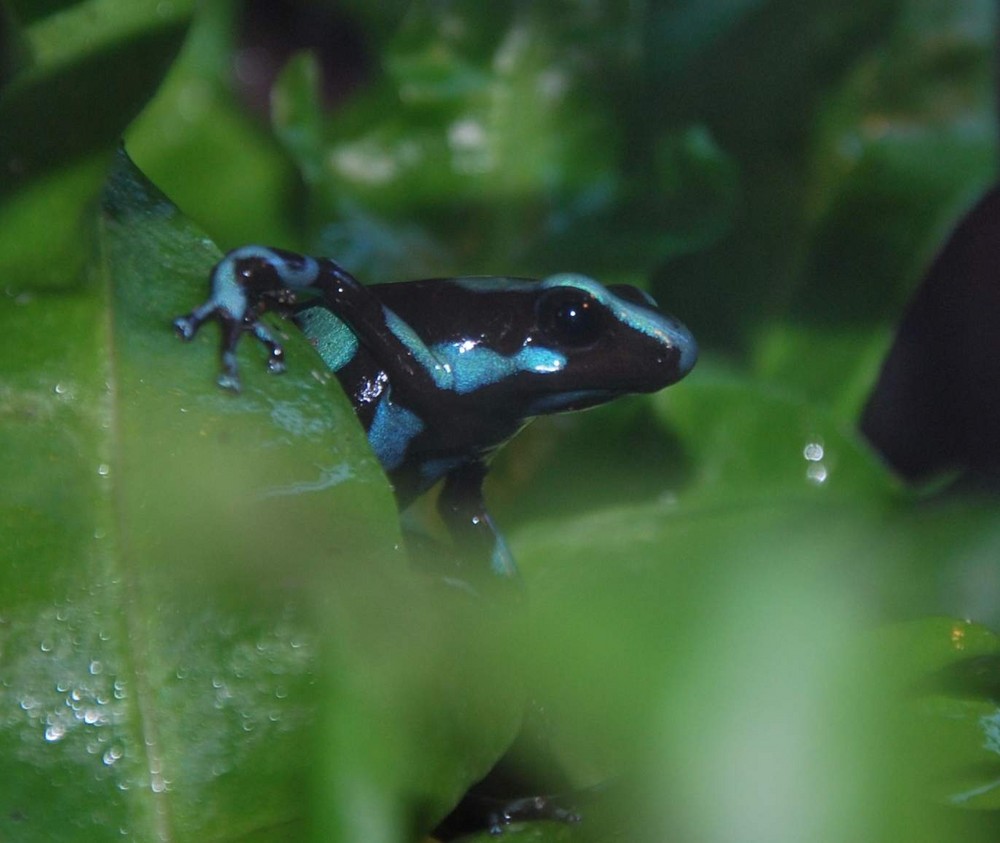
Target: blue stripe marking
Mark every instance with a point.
(466, 366)
(425, 357)
(335, 342)
(391, 432)
(472, 366)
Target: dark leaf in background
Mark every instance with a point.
(272, 31)
(936, 406)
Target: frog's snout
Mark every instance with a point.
(681, 351)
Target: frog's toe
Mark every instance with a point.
(185, 327)
(229, 381)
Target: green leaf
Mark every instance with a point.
(158, 649)
(728, 654)
(950, 713)
(59, 123)
(751, 439)
(197, 141)
(858, 147)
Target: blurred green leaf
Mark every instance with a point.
(728, 654)
(861, 134)
(59, 125)
(951, 723)
(752, 440)
(217, 162)
(486, 143)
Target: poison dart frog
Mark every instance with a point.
(442, 372)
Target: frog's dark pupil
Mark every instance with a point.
(570, 317)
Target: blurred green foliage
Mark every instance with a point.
(207, 627)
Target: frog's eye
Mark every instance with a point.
(570, 317)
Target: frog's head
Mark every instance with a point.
(612, 340)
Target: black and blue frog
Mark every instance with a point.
(442, 372)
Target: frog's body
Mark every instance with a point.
(442, 372)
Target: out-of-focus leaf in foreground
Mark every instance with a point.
(724, 666)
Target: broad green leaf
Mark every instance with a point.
(748, 440)
(159, 652)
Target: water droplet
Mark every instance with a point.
(104, 469)
(95, 667)
(45, 646)
(111, 755)
(813, 451)
(817, 473)
(91, 716)
(54, 732)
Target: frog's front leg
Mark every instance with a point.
(247, 283)
(464, 513)
(253, 280)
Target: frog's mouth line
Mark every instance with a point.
(579, 399)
